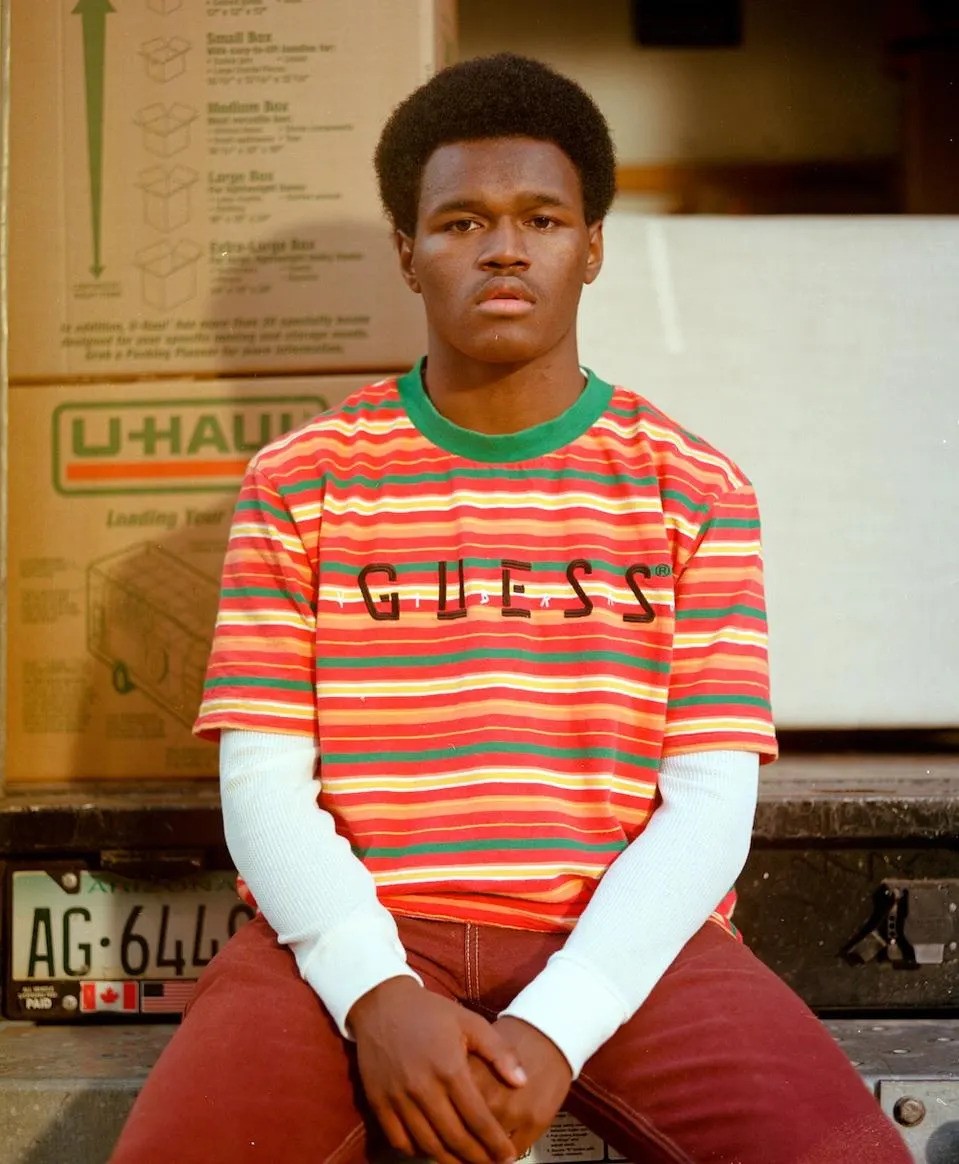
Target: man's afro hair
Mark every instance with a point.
(486, 97)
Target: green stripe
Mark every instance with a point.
(259, 681)
(372, 662)
(263, 592)
(677, 495)
(630, 413)
(697, 700)
(722, 612)
(262, 507)
(493, 747)
(457, 476)
(385, 405)
(512, 844)
(731, 523)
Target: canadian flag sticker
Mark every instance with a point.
(106, 996)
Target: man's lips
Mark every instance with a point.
(505, 297)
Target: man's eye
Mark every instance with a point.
(462, 225)
(542, 222)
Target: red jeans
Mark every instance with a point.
(722, 1063)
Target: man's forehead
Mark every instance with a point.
(526, 169)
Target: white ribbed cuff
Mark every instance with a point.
(568, 1004)
(350, 962)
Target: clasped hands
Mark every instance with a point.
(445, 1083)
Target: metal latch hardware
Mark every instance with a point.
(914, 923)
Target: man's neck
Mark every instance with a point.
(502, 398)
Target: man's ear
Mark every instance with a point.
(404, 248)
(594, 257)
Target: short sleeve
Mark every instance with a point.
(719, 679)
(261, 670)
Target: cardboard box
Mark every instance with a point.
(821, 355)
(168, 273)
(165, 60)
(120, 504)
(166, 196)
(166, 129)
(277, 109)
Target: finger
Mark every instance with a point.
(485, 1042)
(524, 1141)
(495, 1094)
(476, 1114)
(393, 1129)
(435, 1135)
(459, 1139)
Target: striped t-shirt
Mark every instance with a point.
(493, 640)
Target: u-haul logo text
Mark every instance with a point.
(171, 446)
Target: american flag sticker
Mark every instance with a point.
(167, 997)
(119, 997)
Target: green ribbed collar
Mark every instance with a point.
(525, 445)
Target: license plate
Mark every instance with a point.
(81, 943)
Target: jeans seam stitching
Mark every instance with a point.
(476, 979)
(346, 1143)
(660, 1139)
(466, 958)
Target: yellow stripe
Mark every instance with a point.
(695, 727)
(342, 786)
(489, 500)
(733, 634)
(218, 709)
(479, 680)
(252, 530)
(250, 619)
(695, 453)
(715, 549)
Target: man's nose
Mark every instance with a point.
(505, 246)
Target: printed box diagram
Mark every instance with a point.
(166, 196)
(168, 273)
(166, 129)
(165, 59)
(150, 618)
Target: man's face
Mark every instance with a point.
(502, 248)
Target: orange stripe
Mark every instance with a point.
(146, 470)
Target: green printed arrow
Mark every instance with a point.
(94, 14)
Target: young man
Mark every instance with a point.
(490, 685)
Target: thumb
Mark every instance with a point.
(486, 1043)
